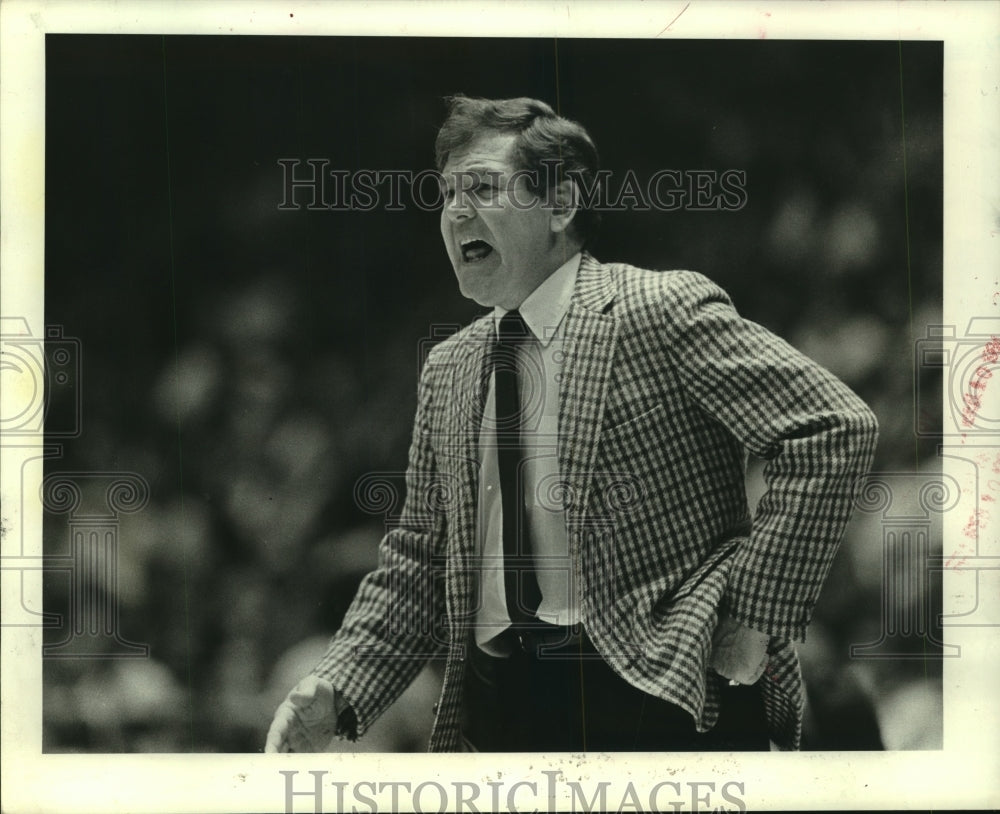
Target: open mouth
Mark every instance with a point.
(475, 250)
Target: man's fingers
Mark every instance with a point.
(287, 731)
(276, 745)
(304, 692)
(277, 735)
(313, 690)
(305, 720)
(275, 740)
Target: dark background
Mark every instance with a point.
(252, 364)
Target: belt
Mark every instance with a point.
(541, 639)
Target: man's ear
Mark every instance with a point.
(565, 198)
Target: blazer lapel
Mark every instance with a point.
(467, 396)
(589, 337)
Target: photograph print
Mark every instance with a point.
(492, 394)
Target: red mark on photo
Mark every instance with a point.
(976, 522)
(957, 559)
(973, 397)
(979, 517)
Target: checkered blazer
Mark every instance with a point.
(664, 390)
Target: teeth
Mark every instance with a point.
(481, 251)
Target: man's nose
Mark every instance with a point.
(459, 207)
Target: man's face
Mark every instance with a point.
(501, 241)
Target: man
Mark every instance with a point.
(575, 541)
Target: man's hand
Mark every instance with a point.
(306, 720)
(739, 653)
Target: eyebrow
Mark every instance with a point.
(495, 176)
(477, 169)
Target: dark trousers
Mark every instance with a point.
(568, 699)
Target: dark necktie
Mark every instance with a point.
(520, 583)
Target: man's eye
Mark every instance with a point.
(479, 190)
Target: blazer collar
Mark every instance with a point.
(590, 338)
(595, 285)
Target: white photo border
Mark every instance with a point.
(962, 774)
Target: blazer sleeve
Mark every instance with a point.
(816, 436)
(386, 636)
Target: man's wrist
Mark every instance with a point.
(347, 718)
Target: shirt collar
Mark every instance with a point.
(544, 308)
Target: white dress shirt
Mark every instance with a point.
(539, 367)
